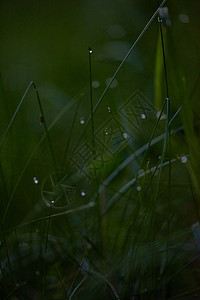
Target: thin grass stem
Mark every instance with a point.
(90, 51)
(45, 252)
(33, 153)
(120, 66)
(70, 134)
(89, 205)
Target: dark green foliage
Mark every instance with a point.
(99, 191)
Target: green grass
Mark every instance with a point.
(100, 191)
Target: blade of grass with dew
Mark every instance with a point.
(131, 182)
(63, 111)
(41, 112)
(159, 65)
(90, 51)
(119, 68)
(145, 148)
(167, 136)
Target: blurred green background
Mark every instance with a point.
(47, 42)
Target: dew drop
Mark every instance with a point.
(125, 135)
(164, 16)
(52, 201)
(106, 132)
(183, 159)
(96, 84)
(109, 110)
(82, 121)
(83, 194)
(143, 116)
(90, 50)
(138, 188)
(36, 181)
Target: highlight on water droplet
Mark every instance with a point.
(82, 121)
(143, 116)
(90, 50)
(183, 159)
(52, 201)
(36, 181)
(83, 194)
(138, 188)
(95, 84)
(125, 135)
(109, 110)
(183, 18)
(114, 83)
(164, 16)
(106, 131)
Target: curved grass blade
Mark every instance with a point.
(133, 181)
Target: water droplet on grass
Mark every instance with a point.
(125, 135)
(106, 132)
(138, 188)
(143, 116)
(82, 121)
(83, 194)
(90, 50)
(109, 109)
(36, 181)
(184, 159)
